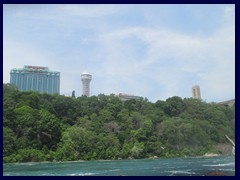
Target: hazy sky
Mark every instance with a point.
(154, 51)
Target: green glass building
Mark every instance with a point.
(36, 78)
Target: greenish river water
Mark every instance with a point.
(198, 166)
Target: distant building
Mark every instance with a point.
(125, 97)
(86, 79)
(196, 94)
(229, 103)
(36, 78)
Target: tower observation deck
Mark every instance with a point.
(86, 79)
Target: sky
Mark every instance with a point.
(155, 51)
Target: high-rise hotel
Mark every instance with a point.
(36, 78)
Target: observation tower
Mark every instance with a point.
(86, 79)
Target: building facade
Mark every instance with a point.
(86, 79)
(196, 94)
(229, 103)
(36, 78)
(125, 97)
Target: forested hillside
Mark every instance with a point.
(42, 127)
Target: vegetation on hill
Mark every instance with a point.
(42, 127)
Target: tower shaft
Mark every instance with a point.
(196, 94)
(86, 79)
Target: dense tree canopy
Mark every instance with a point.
(42, 127)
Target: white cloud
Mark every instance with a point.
(229, 11)
(210, 58)
(150, 61)
(16, 55)
(88, 10)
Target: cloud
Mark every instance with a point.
(176, 58)
(140, 58)
(229, 12)
(91, 11)
(17, 54)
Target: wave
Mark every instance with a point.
(227, 170)
(81, 174)
(181, 172)
(115, 170)
(226, 164)
(25, 164)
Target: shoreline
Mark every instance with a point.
(207, 155)
(211, 155)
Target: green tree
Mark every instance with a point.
(137, 150)
(9, 141)
(41, 127)
(174, 106)
(48, 129)
(25, 119)
(81, 141)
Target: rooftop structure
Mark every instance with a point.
(125, 97)
(229, 103)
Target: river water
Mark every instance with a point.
(197, 166)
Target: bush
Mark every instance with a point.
(30, 155)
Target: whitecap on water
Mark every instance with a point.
(226, 169)
(226, 164)
(115, 170)
(81, 174)
(181, 172)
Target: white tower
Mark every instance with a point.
(196, 92)
(86, 79)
